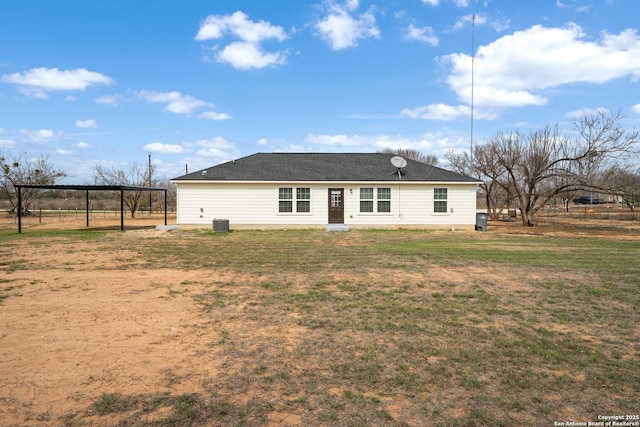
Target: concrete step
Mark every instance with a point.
(336, 227)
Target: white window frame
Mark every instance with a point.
(294, 201)
(374, 200)
(437, 198)
(298, 200)
(379, 200)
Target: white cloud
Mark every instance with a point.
(636, 108)
(341, 30)
(539, 58)
(113, 100)
(516, 70)
(244, 56)
(437, 112)
(294, 148)
(262, 141)
(238, 24)
(212, 115)
(33, 92)
(37, 81)
(500, 25)
(352, 5)
(478, 18)
(459, 3)
(176, 102)
(433, 143)
(87, 124)
(158, 147)
(63, 152)
(39, 136)
(445, 112)
(217, 147)
(424, 34)
(586, 112)
(335, 140)
(215, 142)
(82, 145)
(7, 143)
(578, 7)
(354, 141)
(246, 53)
(487, 96)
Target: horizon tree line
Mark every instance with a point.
(520, 169)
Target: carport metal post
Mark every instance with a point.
(165, 207)
(87, 208)
(19, 209)
(121, 209)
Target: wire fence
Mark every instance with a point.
(79, 218)
(601, 212)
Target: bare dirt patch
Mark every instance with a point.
(73, 334)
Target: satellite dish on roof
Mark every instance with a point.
(398, 162)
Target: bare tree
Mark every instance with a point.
(171, 193)
(624, 182)
(413, 154)
(537, 167)
(136, 176)
(22, 169)
(496, 196)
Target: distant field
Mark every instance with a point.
(513, 326)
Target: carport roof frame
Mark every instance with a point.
(87, 188)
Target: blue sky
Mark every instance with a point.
(198, 82)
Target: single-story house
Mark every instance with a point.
(333, 190)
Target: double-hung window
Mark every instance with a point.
(384, 199)
(366, 200)
(303, 199)
(285, 199)
(298, 201)
(440, 200)
(375, 200)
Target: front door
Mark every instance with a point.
(336, 206)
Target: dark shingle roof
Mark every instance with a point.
(321, 167)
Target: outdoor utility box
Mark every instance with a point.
(220, 225)
(481, 221)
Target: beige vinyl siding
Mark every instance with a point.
(245, 204)
(255, 204)
(461, 199)
(412, 204)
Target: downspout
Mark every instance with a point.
(400, 214)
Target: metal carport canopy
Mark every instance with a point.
(87, 188)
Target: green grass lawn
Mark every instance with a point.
(395, 328)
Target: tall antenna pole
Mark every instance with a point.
(149, 173)
(473, 57)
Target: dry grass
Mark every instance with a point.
(383, 328)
